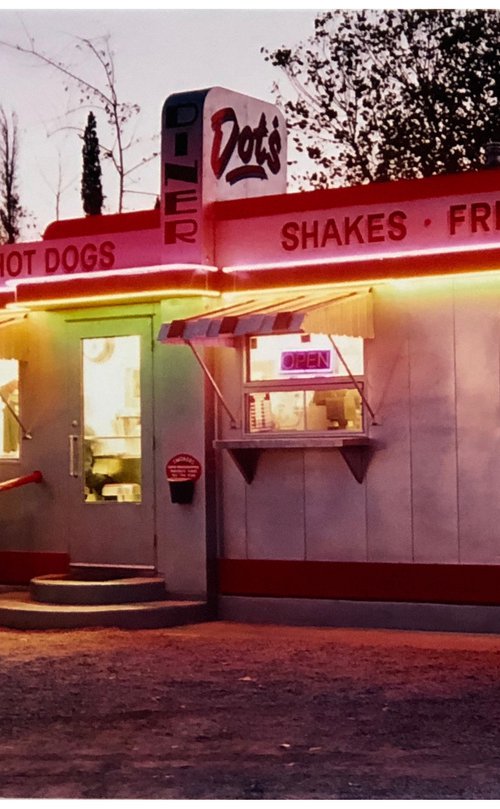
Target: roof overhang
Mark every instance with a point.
(120, 287)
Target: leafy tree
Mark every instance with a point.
(92, 196)
(390, 94)
(100, 93)
(11, 212)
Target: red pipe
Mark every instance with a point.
(35, 477)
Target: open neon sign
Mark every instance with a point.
(299, 362)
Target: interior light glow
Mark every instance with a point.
(138, 271)
(117, 297)
(347, 259)
(415, 282)
(411, 280)
(334, 286)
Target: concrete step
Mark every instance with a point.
(66, 589)
(19, 611)
(87, 571)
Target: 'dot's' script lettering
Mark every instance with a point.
(256, 148)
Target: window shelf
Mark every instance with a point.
(245, 452)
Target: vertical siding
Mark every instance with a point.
(33, 517)
(179, 427)
(275, 507)
(433, 426)
(232, 513)
(478, 420)
(431, 490)
(233, 540)
(388, 502)
(335, 515)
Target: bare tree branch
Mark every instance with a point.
(102, 95)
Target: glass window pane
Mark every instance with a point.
(9, 405)
(303, 356)
(275, 411)
(334, 410)
(112, 419)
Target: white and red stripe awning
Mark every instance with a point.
(14, 344)
(347, 312)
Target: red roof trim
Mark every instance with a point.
(116, 284)
(364, 271)
(106, 223)
(6, 296)
(299, 275)
(398, 191)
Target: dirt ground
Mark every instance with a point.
(229, 711)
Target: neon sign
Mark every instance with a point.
(299, 362)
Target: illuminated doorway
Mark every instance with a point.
(110, 442)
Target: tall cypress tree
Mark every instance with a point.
(92, 196)
(11, 211)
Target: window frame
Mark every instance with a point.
(305, 383)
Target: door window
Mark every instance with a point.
(112, 419)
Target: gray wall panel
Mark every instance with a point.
(433, 433)
(233, 540)
(275, 507)
(232, 515)
(179, 415)
(334, 509)
(431, 490)
(389, 530)
(478, 420)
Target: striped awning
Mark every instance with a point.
(13, 336)
(348, 312)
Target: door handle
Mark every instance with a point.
(73, 455)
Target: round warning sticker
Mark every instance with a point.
(183, 467)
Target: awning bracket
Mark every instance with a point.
(246, 455)
(353, 380)
(246, 461)
(234, 423)
(357, 459)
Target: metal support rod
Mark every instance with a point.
(234, 422)
(26, 433)
(353, 380)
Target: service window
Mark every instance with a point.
(9, 409)
(298, 383)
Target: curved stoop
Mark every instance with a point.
(67, 589)
(19, 611)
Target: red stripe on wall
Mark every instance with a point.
(361, 581)
(18, 567)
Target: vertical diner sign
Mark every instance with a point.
(216, 145)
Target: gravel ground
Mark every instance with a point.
(231, 711)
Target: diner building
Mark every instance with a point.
(285, 405)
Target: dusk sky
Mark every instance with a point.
(157, 52)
